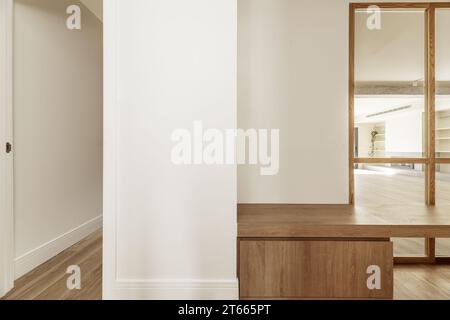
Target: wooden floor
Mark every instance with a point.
(381, 188)
(422, 282)
(48, 282)
(387, 188)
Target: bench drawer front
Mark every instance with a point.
(314, 269)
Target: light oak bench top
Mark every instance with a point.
(343, 221)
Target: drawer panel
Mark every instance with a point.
(314, 269)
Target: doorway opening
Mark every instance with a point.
(54, 149)
(399, 105)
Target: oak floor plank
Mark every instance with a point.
(41, 283)
(58, 290)
(422, 282)
(378, 188)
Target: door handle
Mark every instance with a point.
(8, 147)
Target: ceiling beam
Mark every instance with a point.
(410, 88)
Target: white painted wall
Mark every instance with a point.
(170, 231)
(293, 73)
(57, 129)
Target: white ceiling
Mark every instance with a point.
(396, 52)
(95, 6)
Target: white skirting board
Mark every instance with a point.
(45, 252)
(173, 290)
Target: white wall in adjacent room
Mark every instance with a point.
(58, 105)
(404, 134)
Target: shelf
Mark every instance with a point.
(443, 138)
(442, 129)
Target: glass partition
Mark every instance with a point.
(443, 83)
(389, 84)
(389, 184)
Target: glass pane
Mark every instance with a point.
(443, 198)
(443, 247)
(391, 184)
(443, 184)
(389, 84)
(443, 83)
(413, 247)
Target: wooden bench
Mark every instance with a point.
(327, 252)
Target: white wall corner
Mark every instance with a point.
(95, 6)
(45, 252)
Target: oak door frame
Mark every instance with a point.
(6, 159)
(430, 161)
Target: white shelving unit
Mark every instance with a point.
(380, 143)
(443, 137)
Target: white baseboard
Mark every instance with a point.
(173, 290)
(45, 252)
